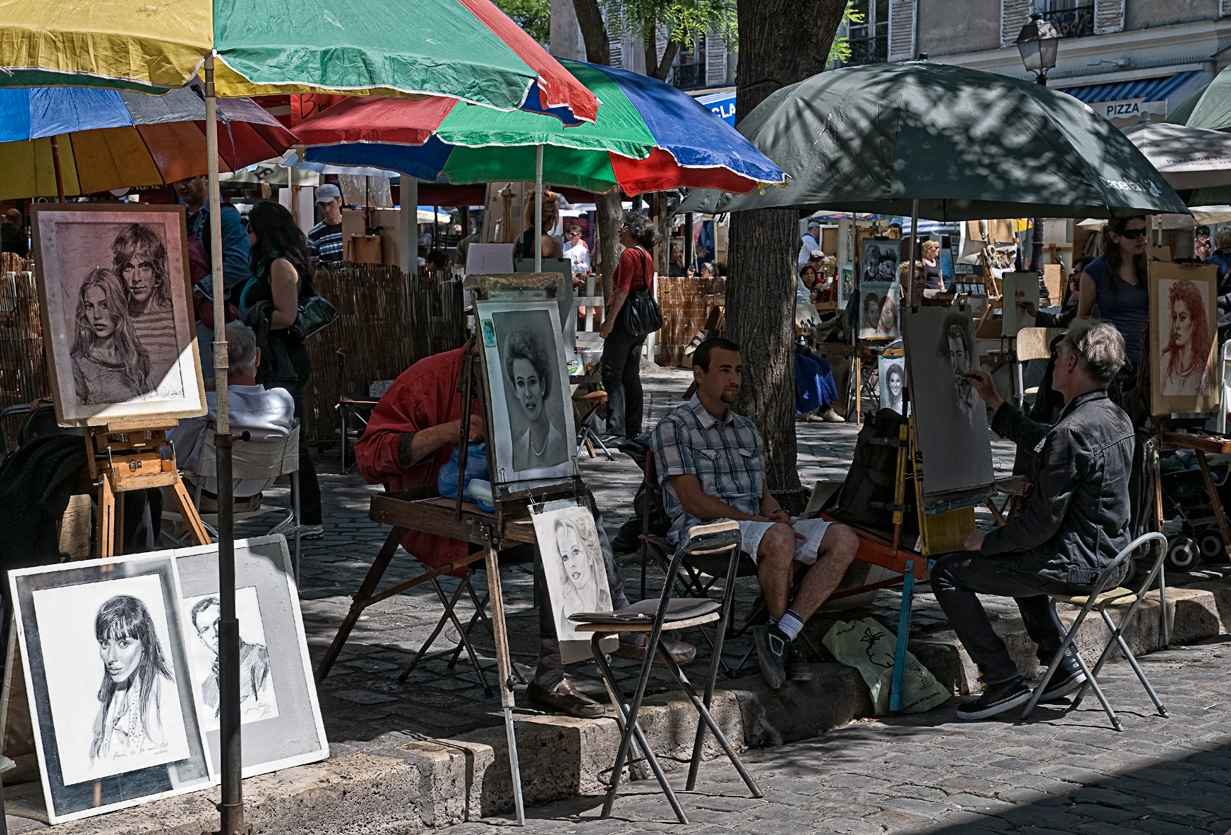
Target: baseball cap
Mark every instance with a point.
(327, 192)
(814, 224)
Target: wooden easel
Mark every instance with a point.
(124, 456)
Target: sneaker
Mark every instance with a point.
(797, 668)
(830, 416)
(307, 532)
(1067, 678)
(771, 644)
(996, 699)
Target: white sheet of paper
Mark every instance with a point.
(489, 259)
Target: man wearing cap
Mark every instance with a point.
(13, 234)
(811, 242)
(325, 238)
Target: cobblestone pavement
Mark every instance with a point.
(932, 773)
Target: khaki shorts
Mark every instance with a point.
(805, 549)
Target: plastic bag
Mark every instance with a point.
(869, 647)
(476, 468)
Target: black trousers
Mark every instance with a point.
(621, 371)
(309, 487)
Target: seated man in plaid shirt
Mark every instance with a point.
(711, 464)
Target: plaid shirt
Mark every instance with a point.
(325, 243)
(727, 457)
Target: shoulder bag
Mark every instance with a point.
(315, 314)
(641, 314)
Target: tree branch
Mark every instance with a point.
(593, 31)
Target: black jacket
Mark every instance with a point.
(1076, 517)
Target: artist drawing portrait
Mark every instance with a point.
(115, 721)
(573, 568)
(1183, 335)
(115, 302)
(950, 418)
(527, 378)
(279, 711)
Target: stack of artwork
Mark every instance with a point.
(121, 661)
(115, 303)
(879, 288)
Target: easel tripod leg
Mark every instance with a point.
(504, 666)
(899, 654)
(360, 603)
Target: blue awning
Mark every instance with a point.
(721, 103)
(1148, 89)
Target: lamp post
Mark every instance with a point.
(1037, 43)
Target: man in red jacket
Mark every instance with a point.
(409, 437)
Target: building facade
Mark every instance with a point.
(1131, 60)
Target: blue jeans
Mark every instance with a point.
(959, 578)
(621, 370)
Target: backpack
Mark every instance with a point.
(866, 496)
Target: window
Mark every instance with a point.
(869, 40)
(690, 65)
(1074, 18)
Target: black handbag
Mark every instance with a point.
(315, 314)
(641, 314)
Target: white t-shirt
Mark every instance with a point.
(805, 251)
(579, 254)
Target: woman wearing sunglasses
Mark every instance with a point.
(1116, 282)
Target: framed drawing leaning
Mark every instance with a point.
(108, 683)
(115, 300)
(279, 711)
(531, 429)
(1183, 338)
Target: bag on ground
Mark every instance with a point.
(869, 647)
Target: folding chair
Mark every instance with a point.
(1101, 599)
(348, 407)
(1031, 344)
(669, 613)
(252, 459)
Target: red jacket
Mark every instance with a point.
(425, 395)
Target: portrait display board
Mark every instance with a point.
(530, 435)
(279, 711)
(115, 302)
(1018, 289)
(1183, 338)
(573, 568)
(891, 370)
(950, 418)
(879, 288)
(108, 683)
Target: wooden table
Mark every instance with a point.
(440, 516)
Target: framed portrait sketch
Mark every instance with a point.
(1018, 289)
(115, 301)
(573, 568)
(892, 374)
(950, 418)
(1183, 338)
(531, 429)
(280, 714)
(879, 289)
(108, 683)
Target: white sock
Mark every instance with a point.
(791, 624)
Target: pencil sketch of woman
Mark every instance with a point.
(137, 684)
(140, 260)
(888, 324)
(871, 312)
(580, 566)
(894, 383)
(1184, 364)
(109, 363)
(529, 371)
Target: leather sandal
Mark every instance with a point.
(564, 698)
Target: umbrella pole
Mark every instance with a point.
(914, 238)
(232, 805)
(538, 209)
(55, 163)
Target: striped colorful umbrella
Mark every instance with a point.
(463, 48)
(103, 139)
(648, 136)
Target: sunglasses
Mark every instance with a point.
(1133, 234)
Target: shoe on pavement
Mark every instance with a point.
(1067, 678)
(564, 698)
(311, 531)
(996, 699)
(632, 646)
(797, 668)
(830, 416)
(771, 643)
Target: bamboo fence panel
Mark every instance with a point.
(686, 306)
(387, 321)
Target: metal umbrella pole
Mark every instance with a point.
(914, 237)
(232, 804)
(538, 208)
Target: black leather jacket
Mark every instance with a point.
(1076, 517)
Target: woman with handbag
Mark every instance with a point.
(269, 303)
(632, 313)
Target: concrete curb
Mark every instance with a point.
(400, 783)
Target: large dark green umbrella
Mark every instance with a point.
(1209, 107)
(947, 142)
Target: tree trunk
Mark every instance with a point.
(774, 51)
(610, 218)
(593, 31)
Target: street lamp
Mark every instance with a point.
(1038, 42)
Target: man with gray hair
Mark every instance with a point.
(264, 413)
(1073, 522)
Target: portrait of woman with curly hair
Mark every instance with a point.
(1184, 364)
